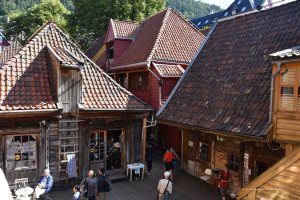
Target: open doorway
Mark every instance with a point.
(114, 149)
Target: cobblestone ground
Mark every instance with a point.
(185, 187)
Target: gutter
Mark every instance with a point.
(129, 65)
(186, 71)
(214, 132)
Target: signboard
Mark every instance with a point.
(71, 166)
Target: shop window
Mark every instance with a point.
(139, 80)
(20, 152)
(96, 146)
(289, 98)
(234, 162)
(203, 152)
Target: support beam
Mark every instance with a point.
(144, 139)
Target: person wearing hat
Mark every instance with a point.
(164, 187)
(116, 156)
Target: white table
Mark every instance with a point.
(135, 166)
(22, 193)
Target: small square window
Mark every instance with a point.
(234, 162)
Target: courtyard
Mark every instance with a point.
(185, 187)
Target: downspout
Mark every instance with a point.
(278, 64)
(159, 80)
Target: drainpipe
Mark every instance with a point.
(278, 64)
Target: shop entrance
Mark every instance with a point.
(105, 149)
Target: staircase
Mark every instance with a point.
(281, 181)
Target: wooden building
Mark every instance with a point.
(223, 103)
(282, 180)
(149, 57)
(60, 110)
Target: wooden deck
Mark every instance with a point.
(185, 187)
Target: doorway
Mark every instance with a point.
(106, 149)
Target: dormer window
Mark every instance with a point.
(289, 96)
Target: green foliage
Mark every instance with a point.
(90, 18)
(192, 8)
(23, 25)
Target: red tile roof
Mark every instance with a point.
(25, 79)
(169, 70)
(227, 87)
(166, 36)
(65, 56)
(125, 29)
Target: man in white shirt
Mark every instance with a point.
(164, 187)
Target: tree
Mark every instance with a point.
(192, 8)
(91, 17)
(23, 25)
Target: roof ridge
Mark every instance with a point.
(162, 28)
(187, 21)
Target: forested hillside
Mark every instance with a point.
(193, 8)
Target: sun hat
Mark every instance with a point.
(117, 145)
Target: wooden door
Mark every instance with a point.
(97, 149)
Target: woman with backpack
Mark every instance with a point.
(103, 185)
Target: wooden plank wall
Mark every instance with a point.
(287, 129)
(53, 150)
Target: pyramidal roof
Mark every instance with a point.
(26, 80)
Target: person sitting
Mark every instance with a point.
(45, 184)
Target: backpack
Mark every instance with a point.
(108, 185)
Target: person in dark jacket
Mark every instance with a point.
(102, 185)
(149, 157)
(45, 184)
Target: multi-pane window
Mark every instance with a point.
(289, 98)
(234, 162)
(203, 152)
(96, 146)
(20, 152)
(139, 80)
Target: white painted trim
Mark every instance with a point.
(186, 71)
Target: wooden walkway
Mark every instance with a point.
(186, 187)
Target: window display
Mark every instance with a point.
(20, 152)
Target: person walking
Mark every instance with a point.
(76, 191)
(149, 157)
(168, 158)
(103, 185)
(164, 187)
(225, 178)
(176, 159)
(89, 187)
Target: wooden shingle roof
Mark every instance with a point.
(25, 79)
(227, 87)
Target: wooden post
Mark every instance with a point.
(289, 149)
(144, 136)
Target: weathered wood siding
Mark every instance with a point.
(287, 129)
(53, 150)
(69, 90)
